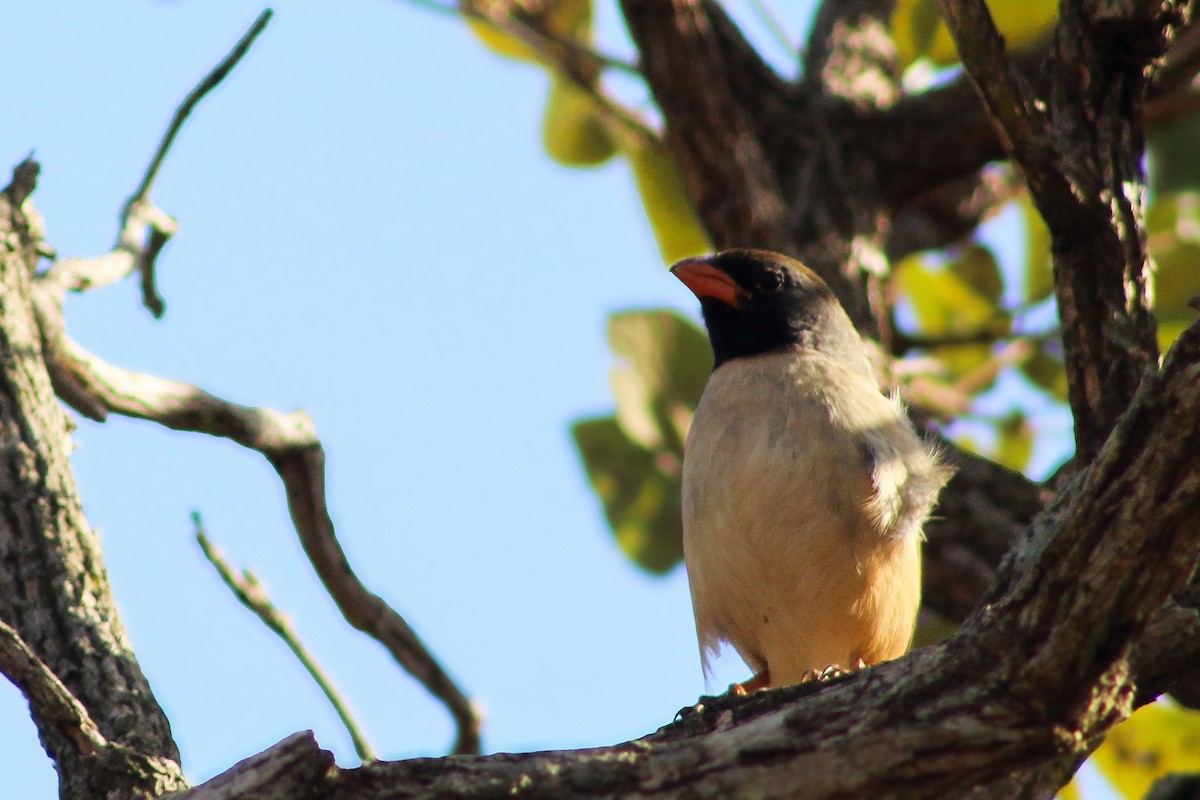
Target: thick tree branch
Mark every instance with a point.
(294, 769)
(714, 91)
(1080, 149)
(53, 588)
(851, 55)
(982, 515)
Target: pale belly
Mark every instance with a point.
(789, 557)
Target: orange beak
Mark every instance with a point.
(705, 280)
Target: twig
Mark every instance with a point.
(145, 228)
(770, 20)
(49, 698)
(290, 443)
(253, 596)
(206, 85)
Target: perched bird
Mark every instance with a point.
(804, 488)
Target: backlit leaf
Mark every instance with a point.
(919, 30)
(1014, 442)
(943, 303)
(639, 491)
(978, 269)
(1176, 275)
(1047, 372)
(1039, 269)
(1157, 740)
(668, 207)
(663, 362)
(573, 129)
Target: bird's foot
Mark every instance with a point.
(731, 697)
(761, 680)
(831, 672)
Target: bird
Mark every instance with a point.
(805, 488)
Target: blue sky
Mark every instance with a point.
(369, 230)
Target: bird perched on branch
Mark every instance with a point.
(804, 488)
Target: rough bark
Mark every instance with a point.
(54, 591)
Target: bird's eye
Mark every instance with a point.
(771, 282)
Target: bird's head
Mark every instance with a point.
(757, 301)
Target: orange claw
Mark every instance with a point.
(760, 681)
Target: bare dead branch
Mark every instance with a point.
(24, 181)
(206, 85)
(145, 228)
(290, 443)
(250, 592)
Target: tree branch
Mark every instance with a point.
(294, 769)
(711, 85)
(50, 701)
(290, 443)
(250, 593)
(145, 228)
(1081, 153)
(851, 55)
(53, 588)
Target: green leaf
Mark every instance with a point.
(946, 306)
(663, 362)
(573, 128)
(1039, 268)
(915, 23)
(977, 268)
(1014, 442)
(943, 303)
(1176, 282)
(1174, 167)
(639, 491)
(1024, 25)
(674, 221)
(1157, 740)
(1047, 372)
